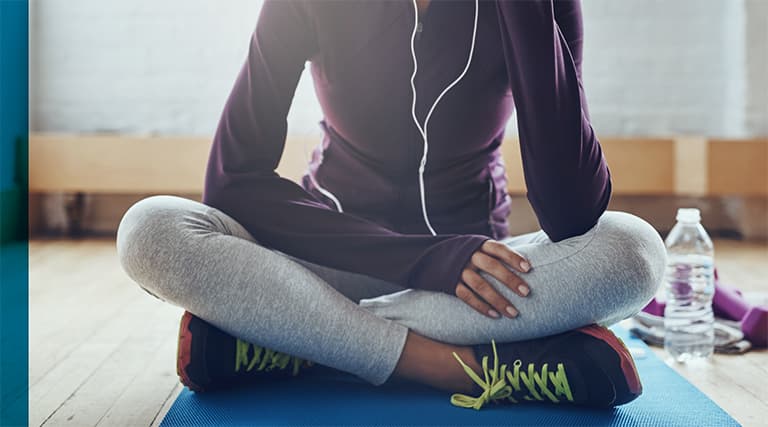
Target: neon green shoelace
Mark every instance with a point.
(501, 383)
(265, 359)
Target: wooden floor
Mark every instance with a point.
(102, 351)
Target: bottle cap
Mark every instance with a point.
(688, 215)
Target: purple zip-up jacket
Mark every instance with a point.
(361, 64)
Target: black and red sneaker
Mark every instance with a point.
(587, 366)
(209, 358)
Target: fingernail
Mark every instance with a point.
(493, 313)
(511, 310)
(524, 290)
(525, 266)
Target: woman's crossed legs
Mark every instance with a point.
(198, 258)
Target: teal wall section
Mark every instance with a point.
(14, 262)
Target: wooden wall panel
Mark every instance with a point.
(130, 164)
(116, 164)
(162, 164)
(738, 166)
(640, 165)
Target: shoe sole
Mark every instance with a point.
(627, 363)
(184, 354)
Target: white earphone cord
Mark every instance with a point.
(423, 131)
(326, 193)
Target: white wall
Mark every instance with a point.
(757, 67)
(654, 66)
(145, 66)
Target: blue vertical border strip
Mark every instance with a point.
(14, 260)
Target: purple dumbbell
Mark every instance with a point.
(729, 303)
(655, 307)
(715, 307)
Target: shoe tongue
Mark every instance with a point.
(481, 350)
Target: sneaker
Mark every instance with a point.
(209, 358)
(586, 366)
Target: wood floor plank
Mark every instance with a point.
(57, 333)
(144, 397)
(109, 381)
(76, 327)
(81, 298)
(57, 386)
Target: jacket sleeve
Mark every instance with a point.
(241, 180)
(568, 180)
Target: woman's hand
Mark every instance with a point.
(481, 295)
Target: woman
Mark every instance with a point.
(392, 259)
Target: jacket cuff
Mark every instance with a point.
(442, 271)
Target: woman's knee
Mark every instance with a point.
(637, 254)
(147, 235)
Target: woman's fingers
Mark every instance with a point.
(487, 292)
(496, 259)
(497, 269)
(509, 256)
(466, 295)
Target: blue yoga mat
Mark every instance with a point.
(333, 398)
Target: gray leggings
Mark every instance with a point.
(198, 258)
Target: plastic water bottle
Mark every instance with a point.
(689, 285)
